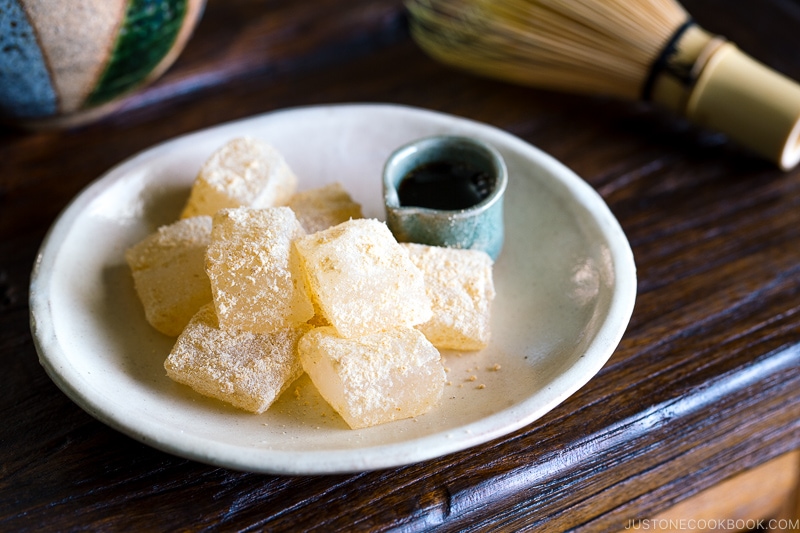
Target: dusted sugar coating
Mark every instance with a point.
(256, 281)
(361, 279)
(460, 286)
(377, 378)
(245, 172)
(321, 208)
(169, 274)
(247, 370)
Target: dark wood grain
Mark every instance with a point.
(705, 383)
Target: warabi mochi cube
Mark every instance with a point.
(461, 289)
(376, 378)
(319, 209)
(323, 207)
(248, 370)
(169, 276)
(245, 172)
(256, 281)
(361, 279)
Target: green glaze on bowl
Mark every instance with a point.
(148, 32)
(479, 227)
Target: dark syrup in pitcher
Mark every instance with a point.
(445, 185)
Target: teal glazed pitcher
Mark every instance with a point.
(446, 191)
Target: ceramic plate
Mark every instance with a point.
(565, 285)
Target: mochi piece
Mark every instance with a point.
(461, 289)
(376, 378)
(256, 281)
(245, 172)
(361, 279)
(169, 276)
(248, 370)
(323, 207)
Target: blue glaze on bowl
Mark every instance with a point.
(479, 227)
(25, 85)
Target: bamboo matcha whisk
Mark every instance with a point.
(635, 49)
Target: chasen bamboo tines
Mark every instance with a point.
(579, 46)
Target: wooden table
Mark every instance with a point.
(705, 383)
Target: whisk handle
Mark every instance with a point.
(751, 103)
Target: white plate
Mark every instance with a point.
(565, 282)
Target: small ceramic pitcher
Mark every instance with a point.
(424, 220)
